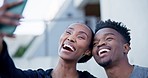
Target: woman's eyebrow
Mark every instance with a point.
(82, 32)
(70, 28)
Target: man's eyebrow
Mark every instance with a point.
(109, 34)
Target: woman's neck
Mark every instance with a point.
(65, 70)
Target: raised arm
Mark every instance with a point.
(7, 67)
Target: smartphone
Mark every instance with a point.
(17, 10)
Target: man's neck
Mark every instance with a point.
(119, 71)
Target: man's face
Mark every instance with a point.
(108, 47)
(74, 42)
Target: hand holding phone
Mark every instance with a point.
(10, 14)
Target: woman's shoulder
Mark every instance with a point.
(44, 73)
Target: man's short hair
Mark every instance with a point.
(118, 26)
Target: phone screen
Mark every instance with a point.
(17, 10)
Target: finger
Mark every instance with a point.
(8, 21)
(1, 35)
(1, 38)
(6, 35)
(13, 16)
(11, 35)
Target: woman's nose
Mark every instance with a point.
(71, 38)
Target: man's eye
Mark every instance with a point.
(94, 44)
(109, 39)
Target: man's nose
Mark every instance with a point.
(101, 43)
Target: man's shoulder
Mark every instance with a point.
(140, 68)
(139, 72)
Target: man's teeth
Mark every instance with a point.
(69, 47)
(103, 50)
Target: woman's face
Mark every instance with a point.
(74, 42)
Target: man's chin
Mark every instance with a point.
(105, 64)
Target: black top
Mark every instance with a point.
(8, 69)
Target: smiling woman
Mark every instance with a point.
(75, 46)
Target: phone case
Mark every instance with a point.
(16, 9)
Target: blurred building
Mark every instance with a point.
(42, 50)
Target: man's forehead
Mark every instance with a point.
(107, 31)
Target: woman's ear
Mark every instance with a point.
(88, 53)
(126, 47)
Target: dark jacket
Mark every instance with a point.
(8, 69)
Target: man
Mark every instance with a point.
(111, 46)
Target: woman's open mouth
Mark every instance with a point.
(68, 47)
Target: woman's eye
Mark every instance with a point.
(81, 37)
(68, 32)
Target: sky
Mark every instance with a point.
(35, 13)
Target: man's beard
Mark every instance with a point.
(105, 64)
